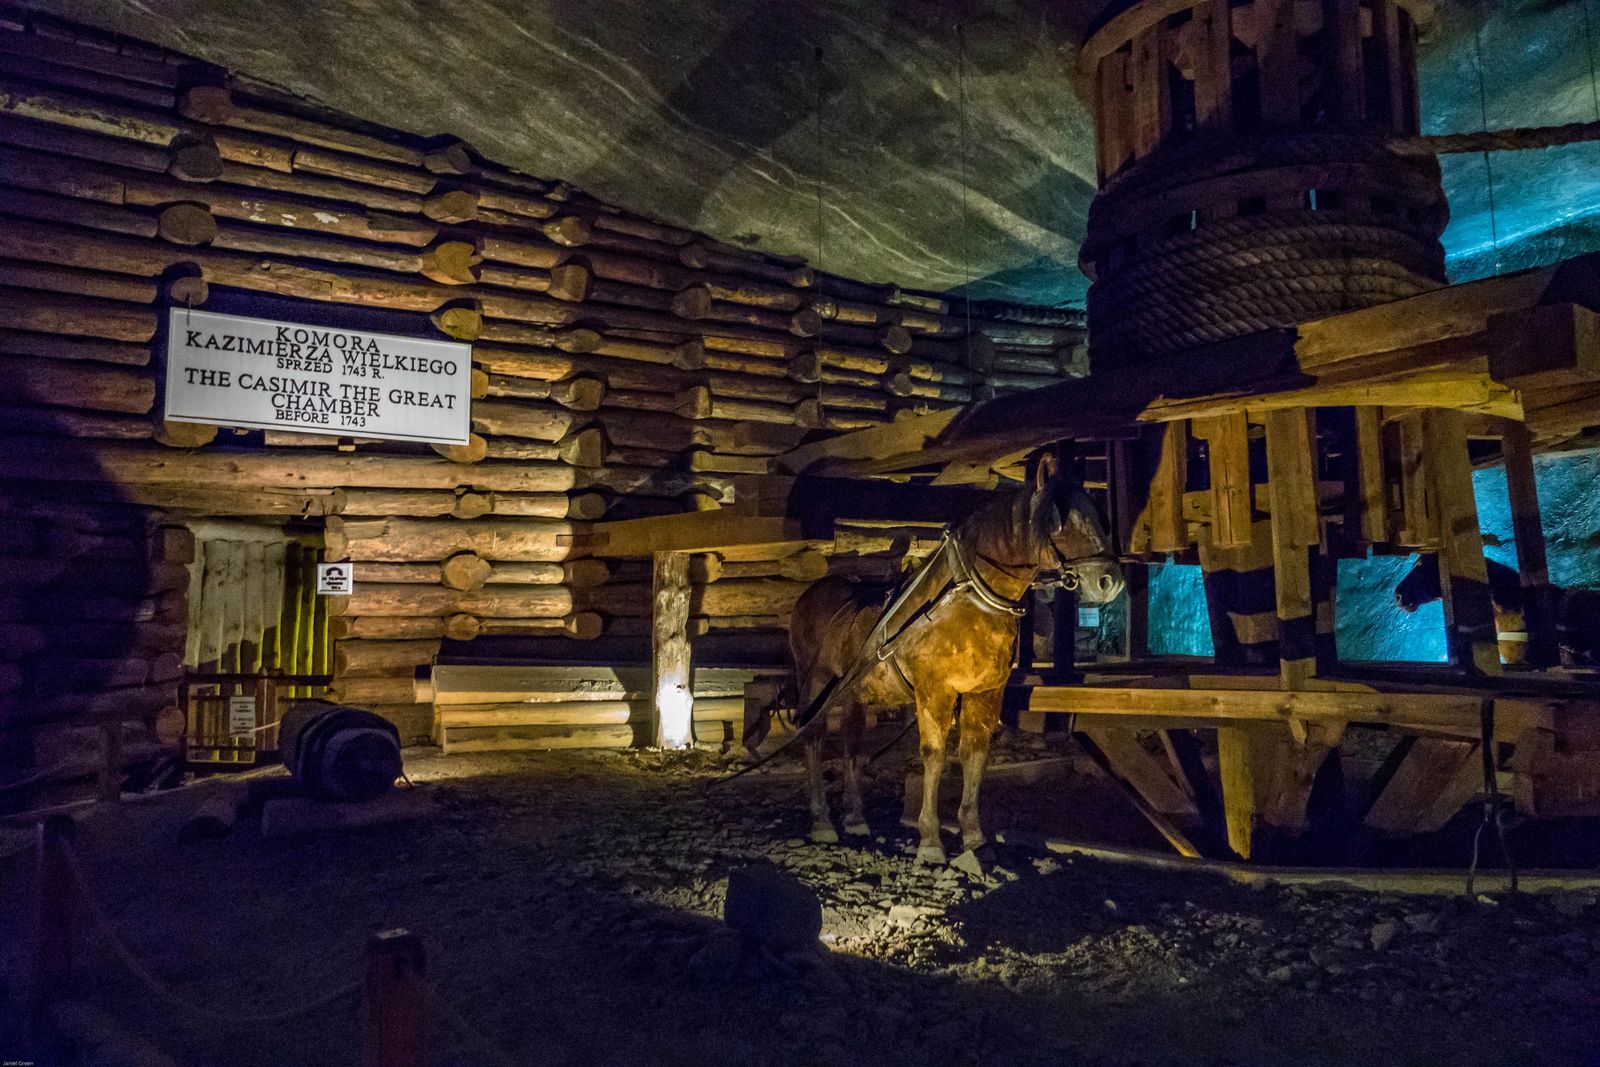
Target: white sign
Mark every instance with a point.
(241, 716)
(1089, 617)
(237, 371)
(333, 579)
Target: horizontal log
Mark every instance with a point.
(365, 691)
(412, 540)
(584, 449)
(141, 579)
(75, 316)
(39, 460)
(517, 602)
(76, 282)
(538, 422)
(23, 639)
(382, 657)
(805, 566)
(583, 625)
(535, 738)
(399, 628)
(65, 422)
(48, 346)
(85, 385)
(528, 713)
(299, 181)
(119, 705)
(215, 105)
(577, 573)
(705, 624)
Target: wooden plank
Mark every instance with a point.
(1543, 347)
(1419, 525)
(818, 503)
(1291, 468)
(1464, 577)
(1149, 88)
(1213, 66)
(1528, 530)
(1453, 714)
(671, 696)
(697, 531)
(1372, 489)
(1279, 62)
(1343, 20)
(1142, 771)
(1164, 507)
(1237, 772)
(1434, 780)
(1227, 439)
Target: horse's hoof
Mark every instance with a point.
(859, 828)
(823, 835)
(931, 855)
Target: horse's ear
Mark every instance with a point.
(1045, 471)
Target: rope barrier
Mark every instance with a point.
(36, 776)
(448, 1012)
(196, 1013)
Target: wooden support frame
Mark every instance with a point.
(1292, 474)
(1528, 530)
(1227, 440)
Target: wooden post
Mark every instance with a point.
(1372, 491)
(1167, 532)
(673, 706)
(1292, 474)
(1539, 613)
(1463, 575)
(1064, 638)
(394, 1002)
(56, 895)
(1227, 440)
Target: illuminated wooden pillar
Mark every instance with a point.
(671, 695)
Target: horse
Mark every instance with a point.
(1576, 611)
(948, 637)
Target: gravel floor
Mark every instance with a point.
(570, 906)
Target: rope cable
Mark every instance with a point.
(196, 1012)
(1483, 111)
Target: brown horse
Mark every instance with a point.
(949, 638)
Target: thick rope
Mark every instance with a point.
(194, 1013)
(1512, 140)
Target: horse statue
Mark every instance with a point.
(947, 637)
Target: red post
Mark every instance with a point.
(52, 930)
(394, 1002)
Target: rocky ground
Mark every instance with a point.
(570, 905)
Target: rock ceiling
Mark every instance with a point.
(936, 165)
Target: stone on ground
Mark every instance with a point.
(772, 907)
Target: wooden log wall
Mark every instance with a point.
(622, 366)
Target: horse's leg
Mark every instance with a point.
(822, 831)
(855, 819)
(980, 714)
(934, 710)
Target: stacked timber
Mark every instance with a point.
(488, 708)
(622, 366)
(92, 630)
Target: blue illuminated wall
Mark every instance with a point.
(1370, 626)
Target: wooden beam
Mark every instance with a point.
(1142, 771)
(1434, 779)
(1528, 530)
(1227, 440)
(1555, 345)
(1463, 575)
(1291, 468)
(1419, 524)
(820, 502)
(1453, 714)
(695, 531)
(1164, 507)
(1372, 489)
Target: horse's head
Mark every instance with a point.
(1070, 538)
(1420, 585)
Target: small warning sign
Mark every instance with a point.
(334, 579)
(241, 716)
(1089, 618)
